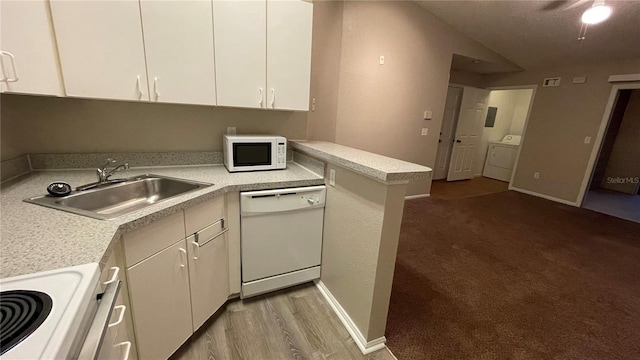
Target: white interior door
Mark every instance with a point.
(468, 133)
(179, 52)
(289, 26)
(445, 143)
(240, 48)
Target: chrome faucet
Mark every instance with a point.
(103, 175)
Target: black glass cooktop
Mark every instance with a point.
(21, 313)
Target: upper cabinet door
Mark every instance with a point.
(27, 35)
(178, 39)
(289, 25)
(101, 48)
(240, 47)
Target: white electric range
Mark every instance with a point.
(48, 315)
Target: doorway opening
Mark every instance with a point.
(614, 185)
(480, 139)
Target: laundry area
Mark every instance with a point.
(481, 133)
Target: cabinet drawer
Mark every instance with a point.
(144, 242)
(200, 216)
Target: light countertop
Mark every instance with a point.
(35, 238)
(376, 166)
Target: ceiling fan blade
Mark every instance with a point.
(562, 5)
(575, 4)
(554, 5)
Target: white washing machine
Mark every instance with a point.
(501, 157)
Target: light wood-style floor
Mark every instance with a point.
(294, 323)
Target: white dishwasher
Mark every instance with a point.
(281, 237)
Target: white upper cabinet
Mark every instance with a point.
(101, 48)
(240, 47)
(263, 53)
(178, 40)
(29, 60)
(289, 25)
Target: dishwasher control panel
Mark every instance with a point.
(257, 202)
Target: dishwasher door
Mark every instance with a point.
(281, 237)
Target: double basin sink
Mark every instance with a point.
(109, 201)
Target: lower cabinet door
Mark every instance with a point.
(160, 300)
(209, 274)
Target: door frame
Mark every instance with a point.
(597, 145)
(454, 127)
(526, 122)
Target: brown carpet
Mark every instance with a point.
(511, 276)
(443, 189)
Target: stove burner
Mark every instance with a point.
(21, 313)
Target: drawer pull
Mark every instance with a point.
(122, 309)
(126, 344)
(213, 237)
(114, 277)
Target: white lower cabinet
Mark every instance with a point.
(209, 276)
(175, 282)
(159, 291)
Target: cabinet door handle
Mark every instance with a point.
(114, 277)
(140, 92)
(196, 246)
(122, 309)
(182, 262)
(261, 97)
(156, 88)
(13, 67)
(273, 96)
(126, 344)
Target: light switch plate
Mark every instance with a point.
(381, 59)
(231, 130)
(587, 140)
(536, 175)
(428, 115)
(425, 131)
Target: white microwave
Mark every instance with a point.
(254, 152)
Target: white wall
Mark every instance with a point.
(560, 119)
(380, 107)
(523, 100)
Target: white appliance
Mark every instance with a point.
(57, 314)
(254, 152)
(281, 237)
(501, 158)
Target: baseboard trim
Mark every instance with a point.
(410, 197)
(533, 193)
(366, 347)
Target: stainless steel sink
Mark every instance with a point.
(110, 201)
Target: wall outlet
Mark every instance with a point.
(424, 132)
(332, 177)
(313, 104)
(231, 130)
(536, 175)
(587, 140)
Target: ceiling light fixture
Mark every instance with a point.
(598, 13)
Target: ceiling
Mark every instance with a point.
(521, 31)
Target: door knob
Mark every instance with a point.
(439, 141)
(458, 141)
